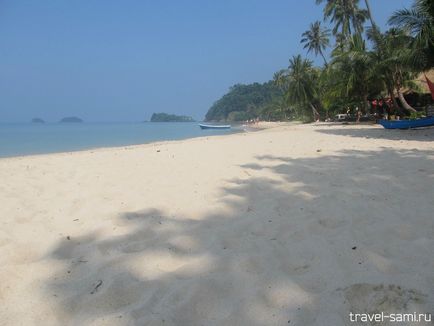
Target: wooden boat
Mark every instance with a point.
(204, 126)
(407, 124)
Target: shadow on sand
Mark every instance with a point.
(421, 134)
(302, 242)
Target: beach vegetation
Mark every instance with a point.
(362, 65)
(244, 102)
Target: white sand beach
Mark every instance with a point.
(292, 225)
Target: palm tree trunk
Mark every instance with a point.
(325, 61)
(314, 112)
(404, 102)
(392, 96)
(365, 103)
(374, 26)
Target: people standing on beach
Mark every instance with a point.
(358, 114)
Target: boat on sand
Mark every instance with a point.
(205, 126)
(408, 123)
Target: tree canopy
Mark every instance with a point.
(364, 64)
(244, 102)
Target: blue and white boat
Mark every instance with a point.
(205, 126)
(407, 124)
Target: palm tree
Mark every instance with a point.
(354, 67)
(419, 22)
(375, 30)
(398, 54)
(302, 87)
(346, 16)
(382, 69)
(279, 79)
(277, 109)
(340, 41)
(316, 39)
(392, 56)
(368, 11)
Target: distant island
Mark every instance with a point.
(70, 119)
(165, 117)
(37, 120)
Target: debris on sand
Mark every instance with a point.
(98, 284)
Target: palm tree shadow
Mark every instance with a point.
(280, 253)
(421, 134)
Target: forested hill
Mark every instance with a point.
(244, 102)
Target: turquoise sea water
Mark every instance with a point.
(28, 138)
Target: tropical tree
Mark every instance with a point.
(316, 39)
(340, 44)
(279, 79)
(346, 16)
(397, 60)
(354, 73)
(277, 109)
(354, 68)
(392, 56)
(369, 14)
(418, 21)
(301, 78)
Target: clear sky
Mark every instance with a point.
(121, 60)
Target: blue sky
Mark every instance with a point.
(107, 60)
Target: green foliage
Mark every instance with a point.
(244, 102)
(356, 72)
(416, 115)
(353, 71)
(418, 21)
(346, 16)
(165, 117)
(316, 39)
(301, 80)
(238, 116)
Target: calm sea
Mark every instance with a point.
(26, 139)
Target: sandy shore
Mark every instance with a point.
(297, 224)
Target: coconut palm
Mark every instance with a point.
(346, 15)
(302, 88)
(418, 21)
(279, 79)
(354, 67)
(397, 60)
(369, 14)
(374, 31)
(316, 39)
(340, 42)
(392, 57)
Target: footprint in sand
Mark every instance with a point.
(319, 226)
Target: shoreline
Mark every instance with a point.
(263, 126)
(99, 148)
